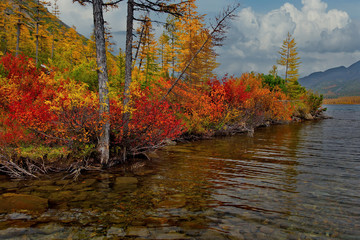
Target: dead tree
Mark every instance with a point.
(102, 72)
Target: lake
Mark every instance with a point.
(295, 181)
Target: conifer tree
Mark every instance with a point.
(55, 26)
(20, 16)
(167, 50)
(290, 60)
(4, 20)
(164, 54)
(40, 13)
(147, 49)
(191, 34)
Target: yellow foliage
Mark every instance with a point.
(343, 100)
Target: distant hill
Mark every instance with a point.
(26, 13)
(335, 82)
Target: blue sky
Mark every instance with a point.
(327, 31)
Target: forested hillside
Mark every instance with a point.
(335, 82)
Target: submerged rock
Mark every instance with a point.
(212, 235)
(81, 185)
(12, 202)
(48, 188)
(126, 180)
(15, 233)
(266, 230)
(8, 185)
(116, 231)
(172, 203)
(19, 216)
(171, 236)
(42, 182)
(51, 228)
(138, 231)
(61, 196)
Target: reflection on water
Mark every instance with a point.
(297, 181)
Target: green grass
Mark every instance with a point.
(36, 152)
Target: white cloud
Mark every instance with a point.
(254, 39)
(73, 14)
(325, 37)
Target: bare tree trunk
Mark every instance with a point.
(18, 31)
(37, 44)
(104, 139)
(18, 39)
(128, 67)
(52, 47)
(287, 62)
(139, 43)
(37, 34)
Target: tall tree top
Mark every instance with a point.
(289, 58)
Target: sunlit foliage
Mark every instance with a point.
(343, 100)
(57, 106)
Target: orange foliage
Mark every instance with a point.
(37, 108)
(271, 105)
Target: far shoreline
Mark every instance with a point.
(347, 100)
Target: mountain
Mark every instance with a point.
(335, 82)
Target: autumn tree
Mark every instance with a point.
(70, 51)
(216, 33)
(4, 26)
(167, 49)
(20, 21)
(164, 54)
(22, 13)
(55, 26)
(290, 60)
(118, 80)
(40, 13)
(147, 50)
(191, 34)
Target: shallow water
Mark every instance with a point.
(297, 181)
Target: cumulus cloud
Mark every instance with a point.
(320, 33)
(325, 37)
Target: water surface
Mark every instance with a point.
(296, 181)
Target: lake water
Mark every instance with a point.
(296, 181)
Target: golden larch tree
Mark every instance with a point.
(168, 49)
(290, 60)
(147, 49)
(191, 34)
(4, 25)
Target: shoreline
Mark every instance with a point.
(74, 167)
